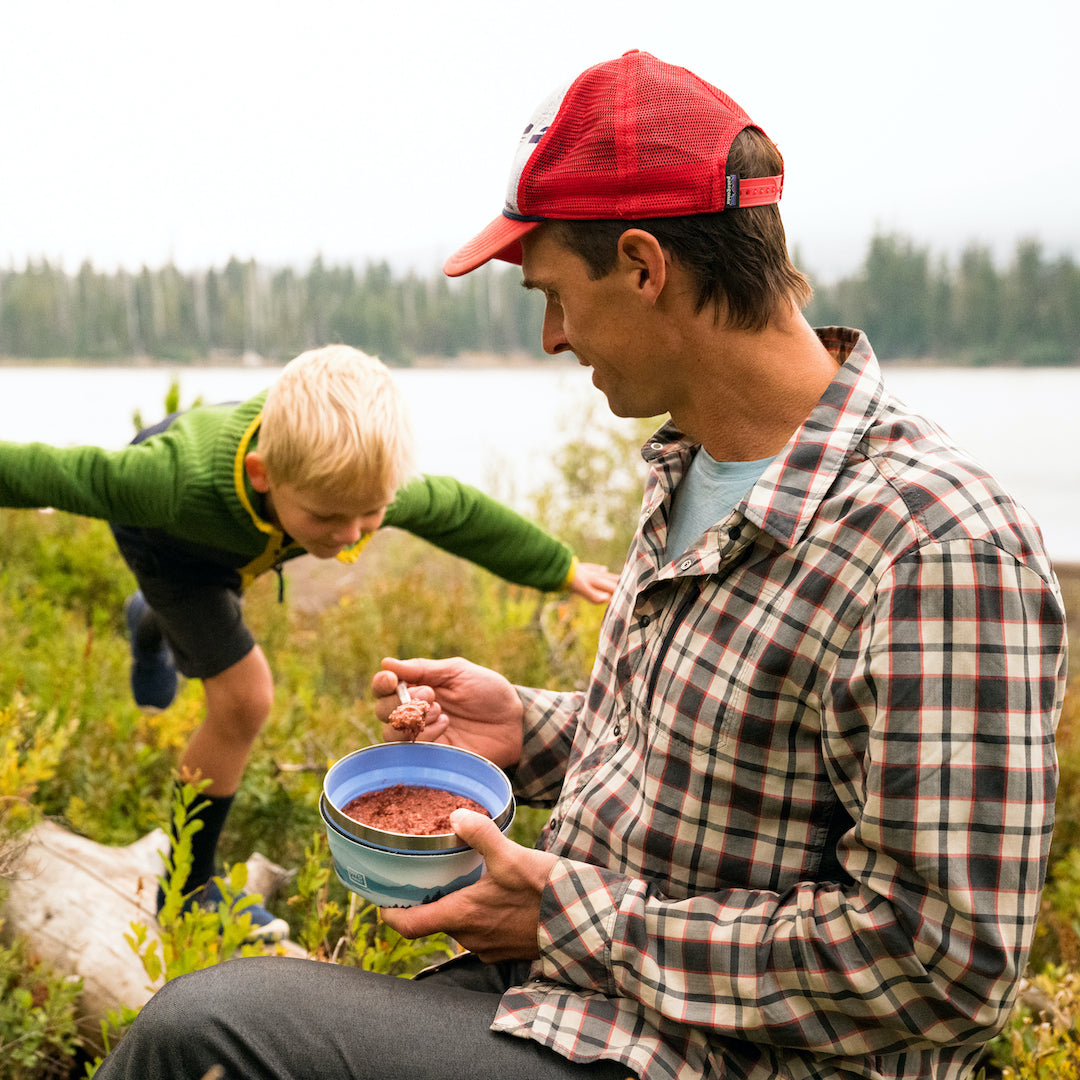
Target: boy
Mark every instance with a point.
(207, 500)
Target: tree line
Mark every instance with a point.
(911, 303)
(246, 308)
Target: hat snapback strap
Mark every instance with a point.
(754, 191)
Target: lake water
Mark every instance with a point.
(498, 428)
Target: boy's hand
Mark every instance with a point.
(594, 582)
(472, 707)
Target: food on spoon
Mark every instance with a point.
(410, 717)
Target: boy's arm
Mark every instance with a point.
(134, 486)
(466, 522)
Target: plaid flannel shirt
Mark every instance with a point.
(804, 806)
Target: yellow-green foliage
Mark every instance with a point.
(192, 939)
(62, 587)
(1067, 829)
(30, 750)
(355, 936)
(1041, 1040)
(38, 1034)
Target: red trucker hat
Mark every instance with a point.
(628, 139)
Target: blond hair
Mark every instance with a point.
(334, 421)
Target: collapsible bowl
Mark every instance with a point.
(394, 869)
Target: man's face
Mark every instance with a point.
(603, 322)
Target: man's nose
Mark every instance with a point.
(552, 337)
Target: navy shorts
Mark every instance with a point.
(196, 600)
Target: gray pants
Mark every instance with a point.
(279, 1018)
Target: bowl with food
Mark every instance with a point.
(386, 811)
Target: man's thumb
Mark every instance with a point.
(477, 830)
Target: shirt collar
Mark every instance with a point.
(790, 491)
(786, 497)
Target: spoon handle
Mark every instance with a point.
(403, 693)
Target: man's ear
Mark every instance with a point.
(256, 472)
(642, 257)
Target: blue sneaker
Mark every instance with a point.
(264, 925)
(153, 673)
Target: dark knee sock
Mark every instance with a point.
(204, 842)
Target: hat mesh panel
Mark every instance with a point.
(653, 144)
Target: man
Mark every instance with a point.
(801, 813)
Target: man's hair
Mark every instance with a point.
(738, 257)
(334, 421)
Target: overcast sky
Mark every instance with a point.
(135, 132)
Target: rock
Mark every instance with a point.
(73, 900)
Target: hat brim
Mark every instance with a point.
(500, 240)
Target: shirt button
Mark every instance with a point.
(686, 564)
(656, 446)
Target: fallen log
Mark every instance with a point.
(74, 900)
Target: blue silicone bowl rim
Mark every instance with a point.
(398, 769)
(324, 807)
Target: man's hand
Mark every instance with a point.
(497, 918)
(472, 707)
(594, 582)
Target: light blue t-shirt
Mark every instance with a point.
(708, 492)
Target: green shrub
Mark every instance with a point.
(38, 1031)
(346, 931)
(1041, 1040)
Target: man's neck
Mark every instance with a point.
(748, 391)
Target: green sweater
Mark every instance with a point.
(189, 484)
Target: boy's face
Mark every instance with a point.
(322, 523)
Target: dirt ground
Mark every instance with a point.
(313, 584)
(1069, 576)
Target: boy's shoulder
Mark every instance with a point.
(225, 417)
(206, 440)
